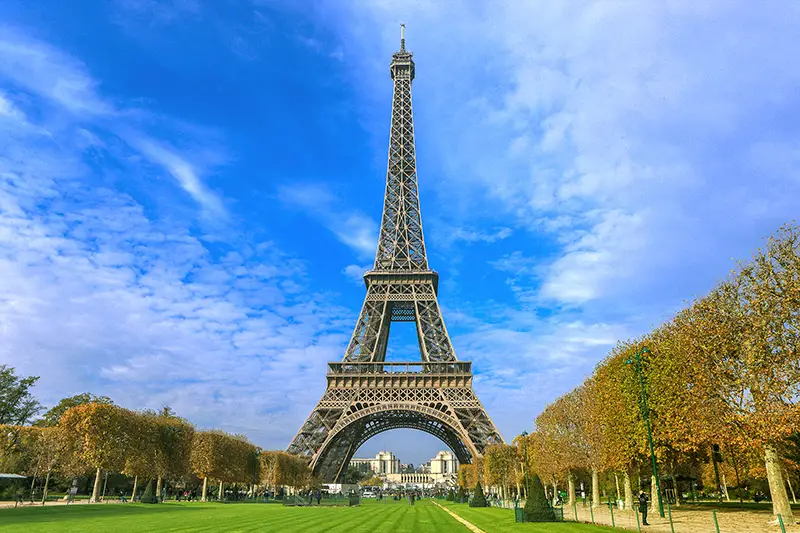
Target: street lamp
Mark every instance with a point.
(525, 466)
(256, 456)
(637, 359)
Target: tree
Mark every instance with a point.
(374, 481)
(52, 416)
(17, 406)
(102, 436)
(222, 457)
(49, 448)
(537, 508)
(171, 446)
(500, 460)
(140, 459)
(206, 457)
(353, 475)
(478, 498)
(149, 495)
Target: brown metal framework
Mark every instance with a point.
(365, 395)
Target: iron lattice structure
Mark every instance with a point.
(366, 395)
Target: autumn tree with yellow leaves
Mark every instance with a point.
(724, 370)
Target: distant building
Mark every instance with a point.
(441, 470)
(384, 463)
(444, 463)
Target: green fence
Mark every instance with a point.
(326, 500)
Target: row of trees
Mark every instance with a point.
(90, 434)
(722, 382)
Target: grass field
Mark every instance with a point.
(372, 517)
(495, 520)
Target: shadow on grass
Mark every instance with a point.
(65, 513)
(732, 507)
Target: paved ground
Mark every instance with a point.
(687, 519)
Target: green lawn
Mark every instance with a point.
(372, 516)
(496, 520)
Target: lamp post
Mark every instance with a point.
(256, 456)
(525, 466)
(637, 359)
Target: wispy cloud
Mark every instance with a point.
(356, 273)
(354, 229)
(97, 296)
(631, 148)
(181, 170)
(49, 73)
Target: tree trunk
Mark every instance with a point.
(33, 482)
(219, 496)
(571, 489)
(777, 489)
(96, 490)
(675, 489)
(135, 483)
(791, 489)
(655, 495)
(44, 491)
(616, 482)
(555, 492)
(626, 483)
(105, 483)
(205, 489)
(725, 487)
(595, 488)
(159, 486)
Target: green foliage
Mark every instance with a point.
(353, 475)
(478, 498)
(17, 404)
(149, 495)
(451, 495)
(53, 415)
(462, 494)
(537, 508)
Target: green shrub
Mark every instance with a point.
(451, 495)
(149, 496)
(478, 499)
(462, 495)
(537, 508)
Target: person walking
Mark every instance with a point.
(643, 507)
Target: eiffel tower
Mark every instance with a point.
(366, 395)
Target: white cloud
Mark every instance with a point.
(601, 107)
(356, 273)
(632, 147)
(354, 229)
(48, 72)
(183, 171)
(144, 312)
(470, 236)
(95, 295)
(53, 75)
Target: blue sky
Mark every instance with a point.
(190, 191)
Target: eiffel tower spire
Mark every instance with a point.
(401, 245)
(365, 395)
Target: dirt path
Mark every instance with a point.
(472, 527)
(686, 519)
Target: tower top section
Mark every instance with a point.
(402, 65)
(401, 246)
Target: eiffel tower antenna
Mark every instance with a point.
(365, 395)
